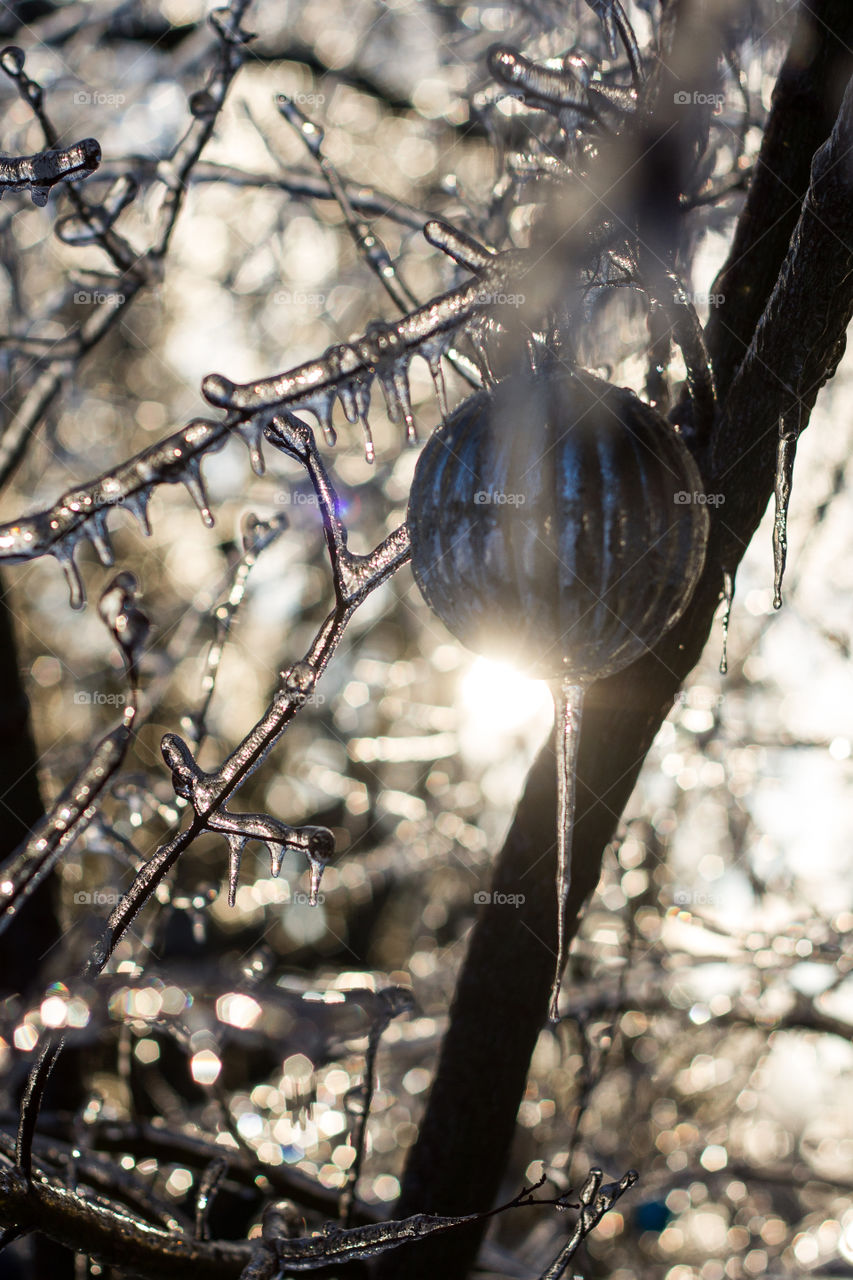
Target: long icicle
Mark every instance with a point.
(785, 453)
(568, 703)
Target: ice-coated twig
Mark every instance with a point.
(37, 174)
(595, 1201)
(205, 105)
(394, 1001)
(380, 262)
(174, 174)
(257, 535)
(121, 254)
(384, 350)
(70, 815)
(82, 513)
(559, 92)
(356, 576)
(614, 20)
(125, 1238)
(205, 1195)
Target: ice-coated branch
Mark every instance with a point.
(561, 93)
(82, 513)
(356, 576)
(393, 1002)
(377, 258)
(37, 174)
(615, 21)
(256, 535)
(347, 370)
(98, 224)
(135, 269)
(205, 106)
(119, 1236)
(595, 1201)
(70, 815)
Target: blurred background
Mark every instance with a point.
(708, 1039)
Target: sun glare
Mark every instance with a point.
(498, 704)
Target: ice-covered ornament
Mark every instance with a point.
(556, 522)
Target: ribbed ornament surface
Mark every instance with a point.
(549, 526)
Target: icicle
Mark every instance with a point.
(349, 404)
(236, 845)
(728, 596)
(786, 451)
(99, 537)
(568, 701)
(195, 487)
(321, 405)
(482, 355)
(128, 624)
(137, 505)
(276, 859)
(321, 846)
(76, 591)
(395, 385)
(432, 353)
(252, 433)
(369, 447)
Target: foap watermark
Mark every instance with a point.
(484, 498)
(487, 299)
(97, 898)
(99, 699)
(307, 699)
(98, 297)
(286, 498)
(699, 699)
(483, 898)
(683, 499)
(97, 98)
(693, 898)
(302, 899)
(303, 99)
(707, 299)
(684, 98)
(298, 298)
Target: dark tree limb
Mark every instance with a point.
(805, 102)
(500, 1002)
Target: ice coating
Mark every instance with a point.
(384, 350)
